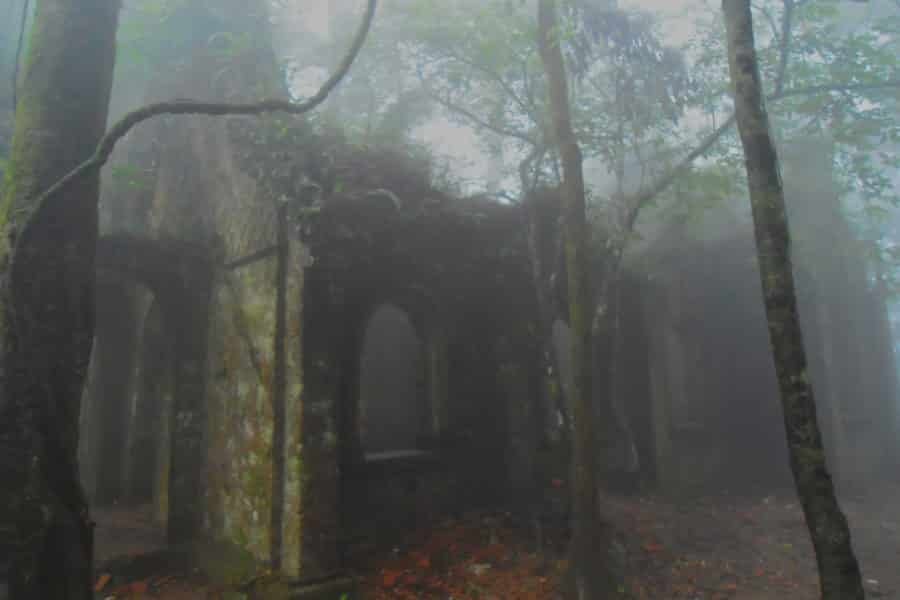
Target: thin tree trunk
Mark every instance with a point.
(839, 573)
(47, 301)
(590, 536)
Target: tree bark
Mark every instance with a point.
(47, 300)
(591, 576)
(839, 573)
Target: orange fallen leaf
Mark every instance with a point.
(389, 578)
(139, 587)
(101, 582)
(652, 547)
(730, 587)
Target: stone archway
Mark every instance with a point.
(108, 394)
(150, 441)
(463, 290)
(417, 311)
(179, 277)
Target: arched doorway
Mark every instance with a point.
(393, 407)
(149, 452)
(147, 366)
(108, 405)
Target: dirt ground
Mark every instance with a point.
(711, 548)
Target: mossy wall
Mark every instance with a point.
(239, 405)
(180, 182)
(239, 408)
(175, 180)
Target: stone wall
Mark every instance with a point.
(713, 417)
(175, 185)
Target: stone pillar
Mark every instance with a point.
(152, 388)
(114, 363)
(438, 377)
(655, 311)
(517, 377)
(188, 421)
(320, 492)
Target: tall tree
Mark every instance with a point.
(590, 536)
(47, 302)
(839, 573)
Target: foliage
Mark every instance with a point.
(841, 83)
(156, 37)
(377, 103)
(637, 104)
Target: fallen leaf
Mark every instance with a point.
(101, 582)
(389, 578)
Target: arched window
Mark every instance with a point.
(149, 452)
(393, 409)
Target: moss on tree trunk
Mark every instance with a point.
(839, 573)
(47, 300)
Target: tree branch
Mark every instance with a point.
(50, 199)
(838, 87)
(661, 184)
(784, 45)
(495, 77)
(475, 118)
(666, 180)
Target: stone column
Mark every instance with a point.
(320, 495)
(655, 311)
(188, 423)
(114, 363)
(438, 377)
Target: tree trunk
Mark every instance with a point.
(47, 301)
(839, 573)
(590, 536)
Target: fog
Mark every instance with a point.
(336, 348)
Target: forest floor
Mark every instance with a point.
(711, 548)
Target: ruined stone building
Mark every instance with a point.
(234, 301)
(240, 384)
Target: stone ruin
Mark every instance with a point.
(239, 269)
